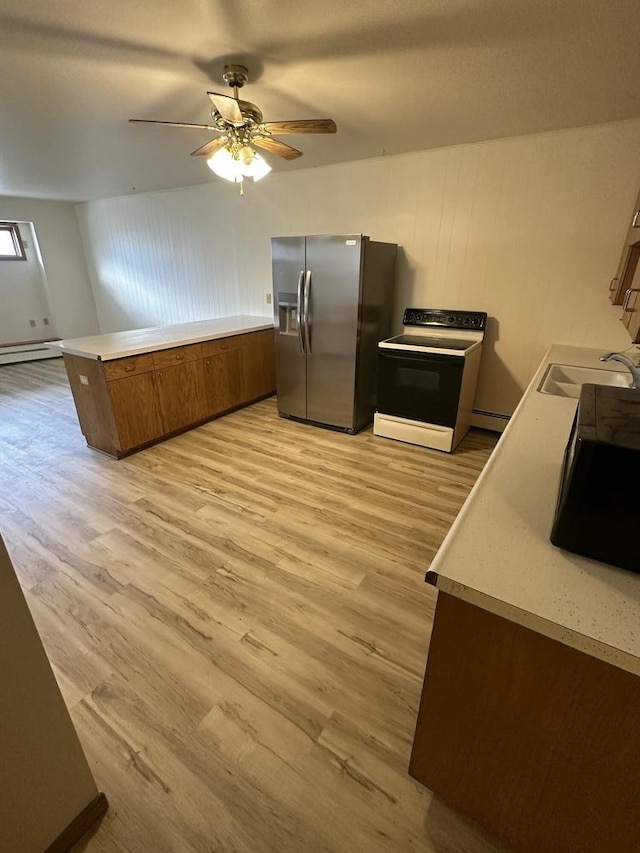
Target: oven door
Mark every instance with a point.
(419, 386)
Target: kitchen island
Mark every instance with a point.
(134, 388)
(530, 714)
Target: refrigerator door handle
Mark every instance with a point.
(307, 303)
(299, 310)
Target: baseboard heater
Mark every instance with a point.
(31, 351)
(489, 420)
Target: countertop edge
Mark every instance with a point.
(160, 345)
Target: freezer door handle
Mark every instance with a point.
(307, 303)
(299, 310)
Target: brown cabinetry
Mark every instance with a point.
(258, 364)
(136, 410)
(182, 395)
(126, 403)
(631, 306)
(628, 263)
(223, 381)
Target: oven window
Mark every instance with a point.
(418, 380)
(420, 387)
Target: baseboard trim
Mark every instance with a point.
(489, 420)
(20, 344)
(36, 353)
(79, 825)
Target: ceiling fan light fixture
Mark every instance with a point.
(225, 165)
(257, 168)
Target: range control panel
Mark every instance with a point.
(438, 318)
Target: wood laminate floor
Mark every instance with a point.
(238, 621)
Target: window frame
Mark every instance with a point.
(14, 231)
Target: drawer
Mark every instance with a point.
(130, 366)
(231, 344)
(177, 355)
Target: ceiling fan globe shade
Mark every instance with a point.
(226, 166)
(258, 168)
(246, 155)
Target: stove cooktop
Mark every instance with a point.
(431, 342)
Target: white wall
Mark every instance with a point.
(22, 295)
(528, 229)
(44, 776)
(66, 279)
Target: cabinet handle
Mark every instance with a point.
(627, 296)
(636, 220)
(612, 286)
(224, 346)
(129, 368)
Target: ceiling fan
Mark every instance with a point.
(232, 155)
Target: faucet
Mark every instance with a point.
(634, 369)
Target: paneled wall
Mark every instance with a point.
(66, 279)
(528, 229)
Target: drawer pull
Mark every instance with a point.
(129, 368)
(627, 296)
(224, 346)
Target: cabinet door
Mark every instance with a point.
(258, 363)
(631, 308)
(223, 381)
(182, 393)
(136, 410)
(628, 263)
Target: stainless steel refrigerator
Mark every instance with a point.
(333, 299)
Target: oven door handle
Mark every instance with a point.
(422, 358)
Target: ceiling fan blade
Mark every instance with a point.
(306, 125)
(210, 147)
(276, 147)
(227, 107)
(172, 123)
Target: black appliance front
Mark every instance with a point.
(596, 513)
(419, 386)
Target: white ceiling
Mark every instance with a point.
(395, 76)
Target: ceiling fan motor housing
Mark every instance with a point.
(235, 76)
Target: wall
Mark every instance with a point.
(44, 776)
(528, 229)
(66, 281)
(23, 297)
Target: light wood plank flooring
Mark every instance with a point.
(238, 621)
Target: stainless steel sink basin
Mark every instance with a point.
(565, 380)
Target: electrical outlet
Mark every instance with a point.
(268, 298)
(32, 323)
(45, 320)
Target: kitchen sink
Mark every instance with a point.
(565, 380)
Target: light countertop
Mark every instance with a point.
(498, 556)
(137, 341)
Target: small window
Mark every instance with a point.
(11, 246)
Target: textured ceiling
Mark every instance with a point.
(401, 76)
